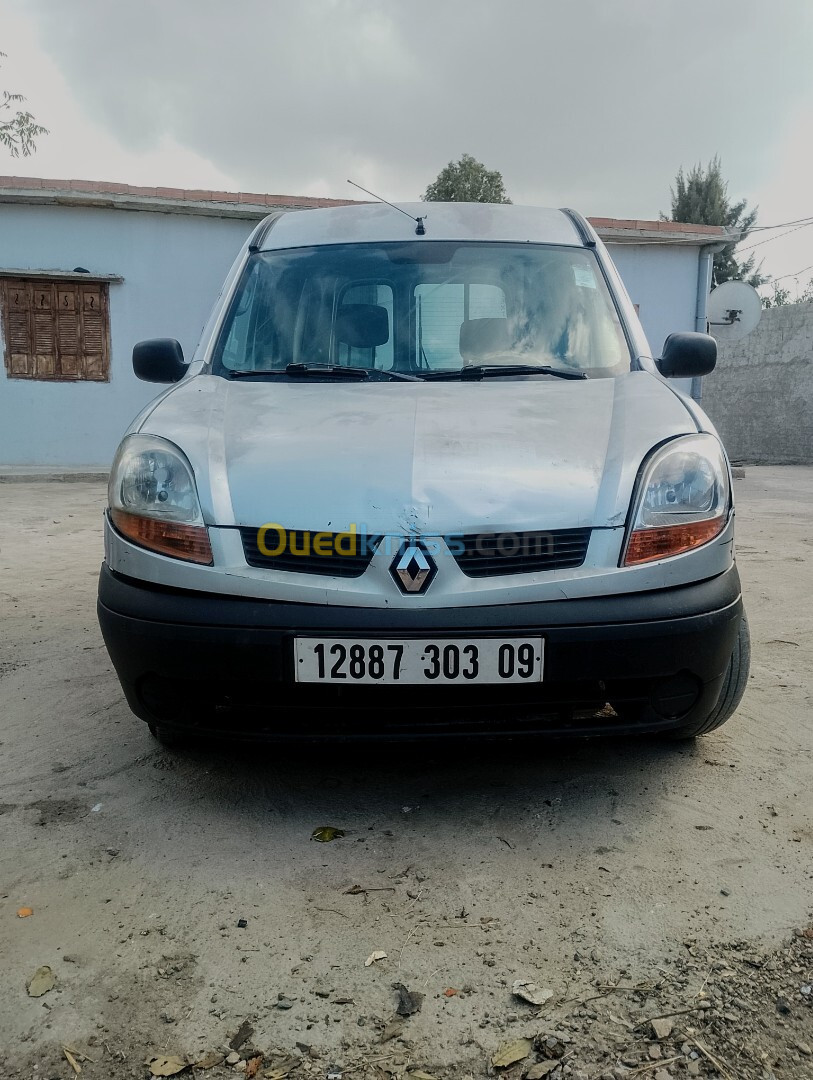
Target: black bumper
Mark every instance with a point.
(224, 665)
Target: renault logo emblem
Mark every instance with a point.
(413, 567)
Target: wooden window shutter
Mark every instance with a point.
(56, 330)
(44, 330)
(17, 329)
(94, 337)
(69, 353)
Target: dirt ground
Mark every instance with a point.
(632, 879)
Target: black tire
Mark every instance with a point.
(168, 738)
(734, 685)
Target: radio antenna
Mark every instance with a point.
(420, 229)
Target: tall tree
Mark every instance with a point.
(701, 197)
(467, 180)
(18, 129)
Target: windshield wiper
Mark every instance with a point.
(487, 371)
(337, 370)
(326, 370)
(392, 374)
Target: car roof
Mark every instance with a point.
(380, 223)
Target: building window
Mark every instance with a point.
(57, 330)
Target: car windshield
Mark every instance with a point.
(421, 309)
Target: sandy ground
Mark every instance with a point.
(626, 877)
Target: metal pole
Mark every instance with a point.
(703, 289)
(704, 269)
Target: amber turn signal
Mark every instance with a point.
(659, 543)
(189, 542)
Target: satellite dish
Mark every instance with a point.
(734, 309)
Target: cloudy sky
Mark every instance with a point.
(590, 103)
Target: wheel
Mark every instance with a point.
(167, 737)
(734, 684)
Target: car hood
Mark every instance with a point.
(427, 458)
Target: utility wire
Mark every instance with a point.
(805, 223)
(796, 274)
(778, 236)
(799, 223)
(781, 225)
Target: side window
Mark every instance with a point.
(441, 309)
(486, 302)
(438, 315)
(363, 327)
(236, 353)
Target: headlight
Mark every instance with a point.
(154, 502)
(682, 500)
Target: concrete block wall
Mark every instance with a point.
(760, 396)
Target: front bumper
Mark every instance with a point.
(224, 665)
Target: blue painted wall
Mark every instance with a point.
(173, 266)
(662, 280)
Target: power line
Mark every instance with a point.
(799, 223)
(781, 225)
(778, 236)
(797, 273)
(692, 241)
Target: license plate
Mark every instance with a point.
(430, 660)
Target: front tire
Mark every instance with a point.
(168, 738)
(734, 685)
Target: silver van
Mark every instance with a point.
(423, 478)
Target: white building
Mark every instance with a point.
(87, 269)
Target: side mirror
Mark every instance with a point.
(159, 360)
(687, 355)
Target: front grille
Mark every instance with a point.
(297, 554)
(492, 554)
